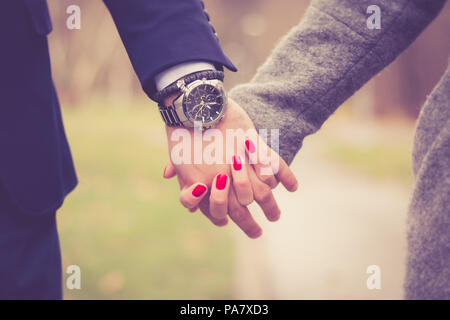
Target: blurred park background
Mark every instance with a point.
(124, 227)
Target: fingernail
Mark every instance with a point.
(237, 164)
(250, 146)
(164, 173)
(198, 190)
(221, 181)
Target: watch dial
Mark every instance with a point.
(204, 103)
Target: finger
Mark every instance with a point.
(218, 200)
(191, 196)
(204, 208)
(241, 183)
(242, 217)
(286, 176)
(264, 197)
(258, 157)
(169, 171)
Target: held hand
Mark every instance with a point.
(233, 187)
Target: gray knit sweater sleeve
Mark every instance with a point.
(324, 60)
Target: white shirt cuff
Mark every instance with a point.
(169, 76)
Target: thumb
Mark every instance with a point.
(169, 171)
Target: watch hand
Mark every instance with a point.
(199, 111)
(194, 107)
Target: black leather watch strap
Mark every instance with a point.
(173, 88)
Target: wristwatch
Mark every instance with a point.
(201, 101)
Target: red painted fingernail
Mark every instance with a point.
(221, 181)
(250, 146)
(164, 173)
(198, 190)
(237, 164)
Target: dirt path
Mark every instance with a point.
(335, 226)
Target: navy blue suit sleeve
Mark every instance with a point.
(159, 34)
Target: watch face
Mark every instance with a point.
(204, 103)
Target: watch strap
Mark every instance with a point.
(199, 75)
(170, 116)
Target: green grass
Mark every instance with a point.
(123, 225)
(377, 161)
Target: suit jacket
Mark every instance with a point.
(36, 166)
(319, 65)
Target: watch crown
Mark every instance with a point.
(181, 84)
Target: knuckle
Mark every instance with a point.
(241, 184)
(219, 202)
(246, 198)
(246, 201)
(268, 179)
(238, 216)
(264, 195)
(265, 178)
